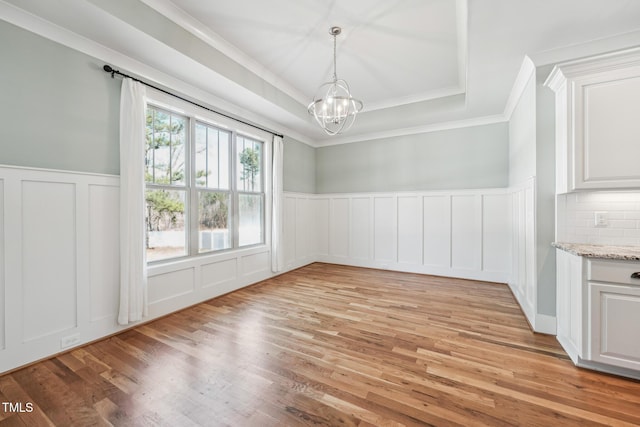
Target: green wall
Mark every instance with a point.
(472, 157)
(58, 109)
(299, 166)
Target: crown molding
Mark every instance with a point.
(410, 99)
(595, 64)
(588, 49)
(556, 79)
(526, 73)
(462, 19)
(434, 127)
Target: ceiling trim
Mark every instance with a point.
(462, 30)
(527, 71)
(462, 22)
(414, 98)
(51, 31)
(434, 127)
(621, 41)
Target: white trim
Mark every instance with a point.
(545, 324)
(26, 169)
(462, 18)
(433, 127)
(414, 98)
(595, 64)
(587, 49)
(527, 71)
(609, 369)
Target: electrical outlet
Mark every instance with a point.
(601, 219)
(69, 341)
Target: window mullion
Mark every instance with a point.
(190, 180)
(234, 190)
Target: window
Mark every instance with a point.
(204, 187)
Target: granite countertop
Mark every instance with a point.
(630, 253)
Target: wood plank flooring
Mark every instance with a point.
(327, 345)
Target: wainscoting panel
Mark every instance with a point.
(523, 280)
(171, 285)
(466, 232)
(360, 236)
(437, 231)
(339, 225)
(289, 230)
(530, 236)
(220, 272)
(49, 246)
(496, 237)
(305, 229)
(385, 230)
(320, 209)
(257, 263)
(410, 234)
(104, 218)
(303, 241)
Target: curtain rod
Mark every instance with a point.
(108, 69)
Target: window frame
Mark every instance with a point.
(184, 187)
(195, 115)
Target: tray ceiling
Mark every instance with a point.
(416, 64)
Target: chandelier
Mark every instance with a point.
(333, 107)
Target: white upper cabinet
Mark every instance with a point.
(598, 122)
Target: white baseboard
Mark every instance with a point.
(545, 324)
(487, 276)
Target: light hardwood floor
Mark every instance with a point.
(327, 345)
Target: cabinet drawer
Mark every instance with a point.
(613, 271)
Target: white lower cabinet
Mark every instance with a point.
(615, 324)
(598, 312)
(569, 305)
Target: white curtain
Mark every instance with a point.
(133, 263)
(277, 256)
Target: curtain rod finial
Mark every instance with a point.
(108, 69)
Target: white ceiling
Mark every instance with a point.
(414, 63)
(387, 49)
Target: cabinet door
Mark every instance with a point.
(615, 324)
(569, 313)
(607, 130)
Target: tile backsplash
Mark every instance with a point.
(576, 217)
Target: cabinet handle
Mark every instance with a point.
(635, 275)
